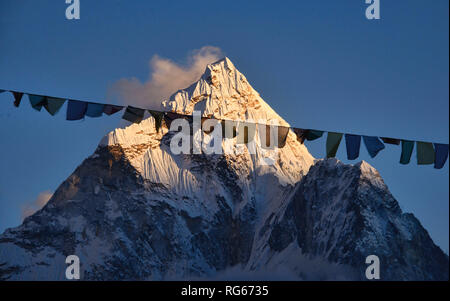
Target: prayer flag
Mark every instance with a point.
(36, 101)
(17, 98)
(353, 143)
(283, 132)
(407, 149)
(76, 110)
(333, 141)
(94, 109)
(158, 116)
(373, 145)
(425, 153)
(111, 109)
(390, 140)
(313, 135)
(52, 104)
(133, 114)
(440, 155)
(301, 134)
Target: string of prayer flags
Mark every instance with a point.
(373, 145)
(76, 109)
(390, 140)
(17, 98)
(133, 114)
(333, 141)
(111, 109)
(158, 118)
(425, 153)
(353, 143)
(440, 155)
(407, 149)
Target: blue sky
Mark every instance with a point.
(319, 64)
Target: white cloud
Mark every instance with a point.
(165, 78)
(30, 208)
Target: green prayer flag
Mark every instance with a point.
(333, 141)
(52, 104)
(313, 135)
(425, 153)
(407, 149)
(37, 101)
(158, 118)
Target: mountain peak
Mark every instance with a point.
(223, 92)
(367, 169)
(225, 61)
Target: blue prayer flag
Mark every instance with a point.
(76, 110)
(353, 143)
(94, 109)
(440, 155)
(373, 145)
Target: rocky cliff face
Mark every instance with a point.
(343, 213)
(134, 210)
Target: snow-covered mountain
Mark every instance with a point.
(134, 210)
